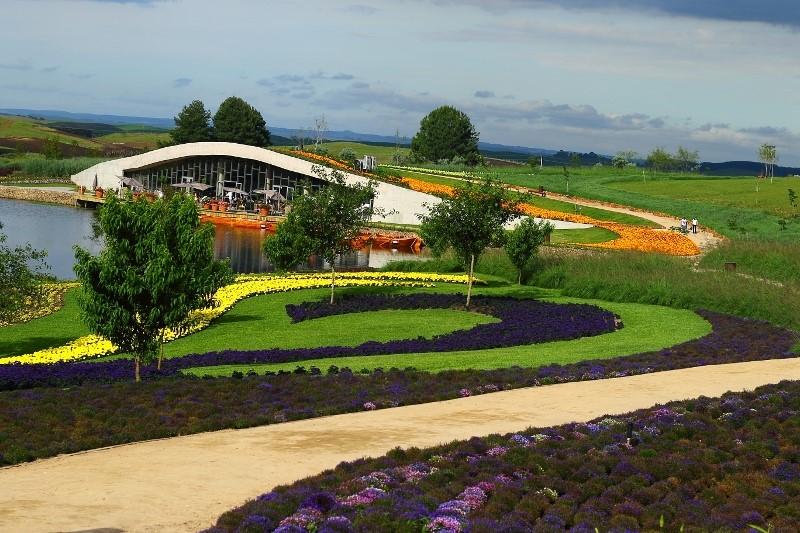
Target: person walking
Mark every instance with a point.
(694, 225)
(683, 225)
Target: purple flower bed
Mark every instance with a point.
(41, 422)
(521, 322)
(722, 464)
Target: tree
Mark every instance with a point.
(659, 159)
(623, 158)
(236, 121)
(21, 273)
(686, 159)
(348, 155)
(326, 222)
(575, 160)
(192, 124)
(446, 133)
(768, 155)
(157, 266)
(524, 241)
(469, 221)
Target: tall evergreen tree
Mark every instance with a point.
(236, 121)
(192, 124)
(446, 133)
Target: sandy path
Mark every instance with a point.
(184, 483)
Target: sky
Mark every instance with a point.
(718, 76)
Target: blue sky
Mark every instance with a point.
(719, 76)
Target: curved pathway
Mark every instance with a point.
(185, 483)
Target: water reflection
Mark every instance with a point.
(243, 247)
(57, 229)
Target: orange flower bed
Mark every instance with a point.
(323, 159)
(629, 237)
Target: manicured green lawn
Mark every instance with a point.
(647, 328)
(52, 330)
(546, 203)
(582, 236)
(772, 198)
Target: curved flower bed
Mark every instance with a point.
(52, 301)
(722, 464)
(630, 237)
(41, 422)
(93, 346)
(521, 322)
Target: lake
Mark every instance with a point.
(58, 228)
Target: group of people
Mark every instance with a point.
(685, 225)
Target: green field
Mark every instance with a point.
(745, 220)
(546, 203)
(22, 127)
(772, 198)
(136, 139)
(383, 154)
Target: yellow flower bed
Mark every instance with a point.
(52, 301)
(92, 346)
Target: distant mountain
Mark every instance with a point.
(52, 114)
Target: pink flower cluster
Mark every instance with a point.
(364, 497)
(370, 406)
(306, 517)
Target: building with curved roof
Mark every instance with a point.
(239, 169)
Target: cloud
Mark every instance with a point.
(359, 9)
(290, 78)
(15, 66)
(82, 75)
(484, 94)
(181, 82)
(341, 76)
(48, 70)
(775, 12)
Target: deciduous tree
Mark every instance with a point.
(446, 133)
(659, 159)
(523, 242)
(22, 269)
(469, 221)
(686, 159)
(326, 222)
(157, 266)
(236, 121)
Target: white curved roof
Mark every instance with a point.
(403, 204)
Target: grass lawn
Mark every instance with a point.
(546, 203)
(772, 198)
(582, 236)
(646, 328)
(52, 330)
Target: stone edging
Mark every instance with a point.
(33, 194)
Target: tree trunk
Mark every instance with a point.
(519, 278)
(161, 351)
(136, 369)
(469, 279)
(333, 281)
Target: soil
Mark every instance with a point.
(185, 483)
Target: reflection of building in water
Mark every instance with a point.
(243, 248)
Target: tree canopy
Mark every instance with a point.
(21, 272)
(157, 266)
(192, 124)
(469, 221)
(523, 242)
(446, 133)
(326, 222)
(237, 121)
